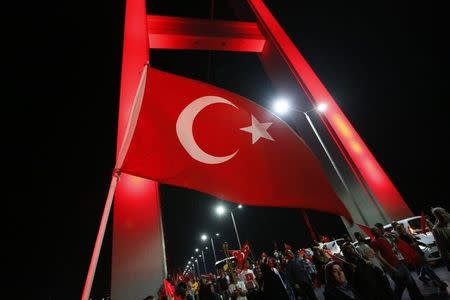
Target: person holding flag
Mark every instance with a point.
(237, 288)
(248, 277)
(393, 262)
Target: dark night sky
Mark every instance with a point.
(380, 61)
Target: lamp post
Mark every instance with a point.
(204, 263)
(235, 229)
(198, 267)
(220, 210)
(282, 106)
(192, 267)
(204, 237)
(188, 266)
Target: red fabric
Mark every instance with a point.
(277, 169)
(246, 249)
(169, 289)
(325, 239)
(382, 245)
(366, 230)
(410, 255)
(240, 257)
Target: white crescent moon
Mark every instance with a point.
(184, 130)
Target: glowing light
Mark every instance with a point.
(342, 127)
(281, 106)
(240, 206)
(196, 249)
(206, 248)
(356, 147)
(217, 234)
(372, 171)
(204, 237)
(192, 257)
(322, 107)
(220, 210)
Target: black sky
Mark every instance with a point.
(383, 63)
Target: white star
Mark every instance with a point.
(258, 130)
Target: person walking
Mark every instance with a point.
(425, 271)
(441, 233)
(367, 279)
(393, 262)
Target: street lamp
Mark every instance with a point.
(319, 108)
(281, 106)
(220, 210)
(198, 267)
(204, 263)
(204, 237)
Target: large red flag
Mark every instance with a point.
(195, 135)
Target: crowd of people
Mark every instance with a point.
(377, 266)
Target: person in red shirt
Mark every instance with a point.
(394, 265)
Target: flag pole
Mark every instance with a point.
(100, 235)
(308, 224)
(132, 120)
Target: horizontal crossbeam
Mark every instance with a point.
(175, 33)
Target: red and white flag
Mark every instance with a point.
(198, 136)
(246, 249)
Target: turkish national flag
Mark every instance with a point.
(195, 135)
(240, 257)
(246, 248)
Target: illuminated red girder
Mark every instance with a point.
(177, 33)
(359, 158)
